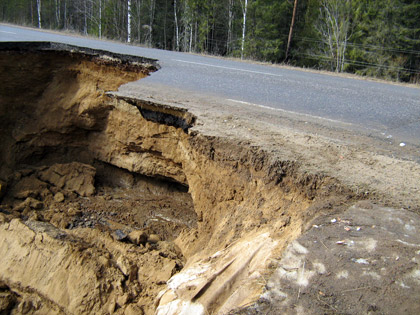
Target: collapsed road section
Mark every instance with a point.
(115, 204)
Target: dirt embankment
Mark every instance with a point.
(112, 204)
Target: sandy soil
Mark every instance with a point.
(153, 200)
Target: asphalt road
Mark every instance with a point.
(387, 111)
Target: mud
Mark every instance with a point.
(124, 203)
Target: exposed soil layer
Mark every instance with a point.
(119, 204)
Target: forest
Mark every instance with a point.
(376, 38)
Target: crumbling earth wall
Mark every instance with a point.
(85, 232)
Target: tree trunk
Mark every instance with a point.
(151, 20)
(100, 19)
(195, 35)
(191, 36)
(38, 5)
(289, 40)
(57, 12)
(129, 21)
(244, 12)
(139, 20)
(65, 14)
(230, 24)
(176, 27)
(32, 14)
(85, 31)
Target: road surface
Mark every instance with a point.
(386, 111)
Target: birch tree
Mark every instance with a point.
(128, 21)
(38, 6)
(176, 26)
(334, 27)
(100, 19)
(187, 22)
(244, 5)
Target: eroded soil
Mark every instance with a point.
(138, 214)
(148, 201)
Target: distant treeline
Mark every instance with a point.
(379, 38)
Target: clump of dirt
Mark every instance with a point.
(68, 196)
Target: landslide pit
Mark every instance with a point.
(113, 204)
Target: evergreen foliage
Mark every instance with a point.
(379, 38)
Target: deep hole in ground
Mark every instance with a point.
(112, 204)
